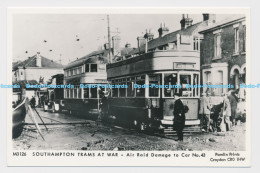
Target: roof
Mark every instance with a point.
(99, 56)
(31, 62)
(93, 57)
(227, 21)
(168, 38)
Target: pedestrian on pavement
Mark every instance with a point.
(179, 117)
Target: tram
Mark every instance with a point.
(87, 71)
(151, 107)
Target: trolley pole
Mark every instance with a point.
(109, 42)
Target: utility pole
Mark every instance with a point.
(109, 42)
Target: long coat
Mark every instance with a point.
(179, 115)
(204, 106)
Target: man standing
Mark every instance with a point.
(205, 111)
(233, 103)
(179, 117)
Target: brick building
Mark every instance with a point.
(223, 54)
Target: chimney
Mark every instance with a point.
(38, 60)
(163, 30)
(140, 41)
(185, 22)
(210, 18)
(127, 45)
(116, 45)
(106, 47)
(148, 35)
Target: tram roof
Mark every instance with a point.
(171, 37)
(92, 57)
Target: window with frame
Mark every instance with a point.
(217, 45)
(86, 93)
(122, 90)
(114, 90)
(80, 93)
(86, 67)
(71, 93)
(140, 80)
(184, 80)
(154, 82)
(195, 82)
(75, 93)
(93, 92)
(170, 80)
(236, 40)
(130, 87)
(93, 67)
(244, 39)
(195, 44)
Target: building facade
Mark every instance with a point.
(36, 68)
(223, 55)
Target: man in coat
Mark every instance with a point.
(233, 103)
(205, 108)
(179, 117)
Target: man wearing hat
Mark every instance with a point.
(179, 116)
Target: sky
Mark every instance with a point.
(55, 35)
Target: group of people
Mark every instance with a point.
(222, 116)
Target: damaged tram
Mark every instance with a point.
(148, 107)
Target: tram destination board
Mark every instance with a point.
(130, 104)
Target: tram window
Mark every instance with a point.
(195, 82)
(71, 93)
(86, 93)
(130, 89)
(184, 80)
(75, 93)
(122, 90)
(140, 92)
(68, 93)
(115, 91)
(79, 93)
(86, 67)
(93, 92)
(154, 81)
(93, 67)
(170, 81)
